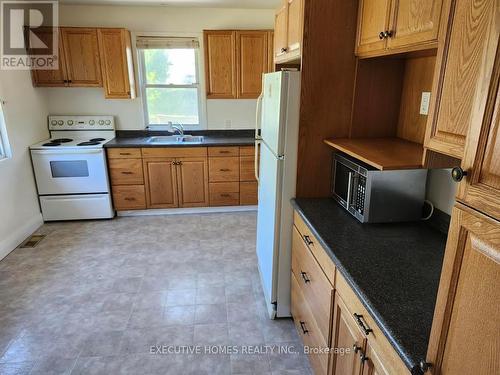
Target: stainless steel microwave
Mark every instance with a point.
(374, 196)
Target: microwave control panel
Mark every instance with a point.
(359, 204)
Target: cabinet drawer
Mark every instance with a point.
(247, 151)
(315, 287)
(124, 153)
(126, 171)
(224, 187)
(224, 169)
(312, 242)
(130, 197)
(224, 199)
(248, 193)
(174, 152)
(307, 328)
(223, 151)
(247, 168)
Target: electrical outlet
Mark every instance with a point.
(425, 102)
(228, 124)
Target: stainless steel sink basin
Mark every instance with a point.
(173, 139)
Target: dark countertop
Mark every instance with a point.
(211, 138)
(393, 268)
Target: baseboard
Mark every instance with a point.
(183, 211)
(17, 237)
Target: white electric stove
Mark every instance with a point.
(70, 168)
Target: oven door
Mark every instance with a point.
(344, 176)
(70, 172)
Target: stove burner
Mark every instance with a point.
(88, 143)
(61, 140)
(51, 144)
(97, 139)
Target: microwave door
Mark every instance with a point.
(343, 184)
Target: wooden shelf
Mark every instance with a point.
(381, 153)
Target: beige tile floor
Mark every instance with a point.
(93, 298)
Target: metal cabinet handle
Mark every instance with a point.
(223, 152)
(356, 348)
(304, 328)
(308, 240)
(425, 366)
(283, 50)
(458, 174)
(304, 276)
(363, 357)
(224, 170)
(359, 318)
(124, 172)
(388, 34)
(130, 199)
(381, 35)
(125, 153)
(225, 195)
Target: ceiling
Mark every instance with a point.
(244, 4)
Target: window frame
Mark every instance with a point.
(143, 86)
(5, 150)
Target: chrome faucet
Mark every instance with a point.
(179, 128)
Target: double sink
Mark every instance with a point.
(175, 139)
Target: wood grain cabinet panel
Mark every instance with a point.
(465, 67)
(223, 151)
(220, 64)
(252, 62)
(464, 337)
(161, 183)
(124, 153)
(126, 171)
(129, 197)
(224, 194)
(50, 78)
(224, 169)
(280, 30)
(374, 363)
(249, 193)
(373, 18)
(295, 26)
(288, 31)
(414, 22)
(116, 63)
(247, 168)
(192, 177)
(81, 52)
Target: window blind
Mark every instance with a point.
(159, 42)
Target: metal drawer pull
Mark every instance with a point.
(225, 170)
(362, 324)
(125, 153)
(225, 195)
(130, 199)
(363, 357)
(303, 326)
(127, 172)
(308, 240)
(304, 276)
(224, 152)
(356, 348)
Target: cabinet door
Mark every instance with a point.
(161, 183)
(192, 178)
(50, 78)
(270, 51)
(465, 66)
(373, 18)
(414, 22)
(220, 64)
(295, 25)
(464, 337)
(82, 56)
(373, 364)
(481, 188)
(280, 30)
(346, 334)
(252, 62)
(116, 63)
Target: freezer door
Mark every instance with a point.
(268, 222)
(273, 105)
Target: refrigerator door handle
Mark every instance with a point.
(257, 116)
(256, 160)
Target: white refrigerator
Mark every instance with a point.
(277, 141)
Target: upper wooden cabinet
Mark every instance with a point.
(235, 61)
(288, 31)
(81, 53)
(465, 68)
(394, 26)
(116, 63)
(90, 57)
(464, 335)
(220, 64)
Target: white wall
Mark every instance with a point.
(25, 113)
(175, 21)
(441, 189)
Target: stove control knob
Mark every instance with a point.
(108, 122)
(60, 122)
(70, 122)
(101, 122)
(91, 122)
(53, 122)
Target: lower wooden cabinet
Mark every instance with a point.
(192, 181)
(161, 183)
(224, 194)
(248, 193)
(129, 197)
(465, 332)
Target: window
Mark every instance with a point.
(170, 82)
(4, 144)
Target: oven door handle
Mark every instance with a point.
(349, 189)
(64, 152)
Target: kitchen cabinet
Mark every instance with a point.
(128, 197)
(288, 31)
(466, 68)
(224, 176)
(373, 364)
(395, 26)
(192, 178)
(464, 335)
(50, 78)
(234, 63)
(125, 172)
(81, 53)
(115, 49)
(161, 183)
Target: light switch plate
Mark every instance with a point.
(425, 102)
